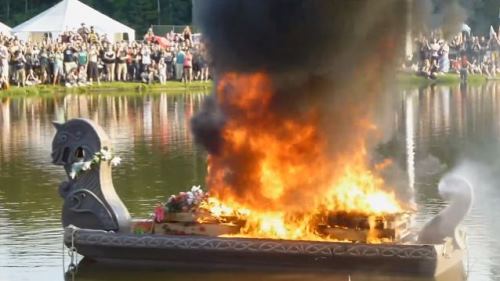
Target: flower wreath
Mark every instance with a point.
(104, 154)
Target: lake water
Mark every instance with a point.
(436, 129)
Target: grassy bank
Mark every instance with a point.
(131, 87)
(444, 79)
(407, 80)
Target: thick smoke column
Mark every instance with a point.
(317, 51)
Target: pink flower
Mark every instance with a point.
(159, 213)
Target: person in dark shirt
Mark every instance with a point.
(156, 53)
(19, 62)
(169, 60)
(69, 58)
(109, 59)
(44, 65)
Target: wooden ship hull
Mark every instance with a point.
(202, 251)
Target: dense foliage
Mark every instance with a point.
(138, 14)
(483, 14)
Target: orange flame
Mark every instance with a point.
(273, 173)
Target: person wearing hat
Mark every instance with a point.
(83, 31)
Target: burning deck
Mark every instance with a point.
(339, 227)
(197, 213)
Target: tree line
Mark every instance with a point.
(138, 14)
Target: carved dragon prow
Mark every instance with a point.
(459, 193)
(90, 199)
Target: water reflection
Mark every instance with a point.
(95, 272)
(447, 126)
(150, 132)
(436, 127)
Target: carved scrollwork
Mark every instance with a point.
(99, 238)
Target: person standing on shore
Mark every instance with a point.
(162, 71)
(179, 65)
(146, 58)
(19, 65)
(168, 57)
(121, 64)
(83, 58)
(4, 65)
(44, 65)
(464, 68)
(188, 67)
(109, 59)
(69, 58)
(93, 70)
(58, 59)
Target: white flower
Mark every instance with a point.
(116, 161)
(106, 154)
(75, 169)
(190, 198)
(86, 165)
(196, 189)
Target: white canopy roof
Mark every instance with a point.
(5, 29)
(69, 15)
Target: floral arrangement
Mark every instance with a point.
(104, 154)
(186, 201)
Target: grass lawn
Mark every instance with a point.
(408, 80)
(445, 79)
(134, 87)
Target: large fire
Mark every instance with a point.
(272, 172)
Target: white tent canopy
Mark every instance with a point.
(5, 29)
(69, 15)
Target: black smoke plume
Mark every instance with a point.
(335, 57)
(316, 52)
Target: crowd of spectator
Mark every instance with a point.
(84, 57)
(464, 54)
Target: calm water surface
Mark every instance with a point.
(436, 129)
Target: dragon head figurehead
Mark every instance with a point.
(77, 140)
(90, 199)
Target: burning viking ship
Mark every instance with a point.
(290, 130)
(201, 229)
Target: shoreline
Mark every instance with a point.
(402, 79)
(134, 87)
(414, 80)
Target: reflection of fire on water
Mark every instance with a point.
(290, 189)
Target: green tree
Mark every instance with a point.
(138, 14)
(142, 14)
